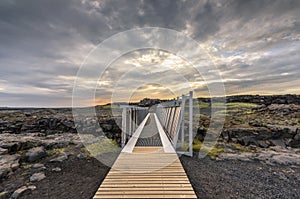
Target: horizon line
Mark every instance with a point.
(109, 103)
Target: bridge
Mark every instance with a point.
(148, 165)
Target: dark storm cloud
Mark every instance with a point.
(43, 42)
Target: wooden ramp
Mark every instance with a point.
(146, 172)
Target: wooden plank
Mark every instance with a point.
(145, 192)
(175, 185)
(145, 196)
(146, 173)
(146, 188)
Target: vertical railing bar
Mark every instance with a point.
(123, 137)
(135, 119)
(133, 125)
(191, 123)
(127, 123)
(182, 119)
(172, 122)
(130, 119)
(179, 126)
(168, 118)
(175, 123)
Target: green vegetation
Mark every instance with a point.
(232, 106)
(20, 115)
(55, 151)
(240, 148)
(85, 151)
(25, 173)
(103, 146)
(212, 152)
(196, 145)
(109, 106)
(219, 105)
(26, 165)
(241, 105)
(203, 104)
(236, 107)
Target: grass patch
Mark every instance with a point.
(241, 149)
(203, 105)
(55, 151)
(218, 105)
(110, 106)
(198, 146)
(236, 107)
(86, 151)
(26, 165)
(212, 152)
(241, 105)
(25, 173)
(103, 146)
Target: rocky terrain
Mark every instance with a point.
(257, 154)
(259, 125)
(41, 154)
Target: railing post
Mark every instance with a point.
(180, 125)
(130, 121)
(191, 103)
(182, 119)
(135, 118)
(124, 118)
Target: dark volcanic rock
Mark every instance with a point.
(293, 143)
(11, 146)
(62, 157)
(3, 151)
(35, 154)
(36, 177)
(247, 140)
(263, 136)
(111, 129)
(266, 100)
(277, 143)
(8, 163)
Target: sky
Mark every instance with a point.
(254, 45)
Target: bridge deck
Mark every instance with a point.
(149, 135)
(147, 172)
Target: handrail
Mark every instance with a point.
(172, 118)
(132, 117)
(171, 115)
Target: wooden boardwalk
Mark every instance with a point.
(146, 172)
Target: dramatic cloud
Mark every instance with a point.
(254, 44)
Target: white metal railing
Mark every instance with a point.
(132, 116)
(172, 117)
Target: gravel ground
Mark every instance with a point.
(80, 179)
(237, 179)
